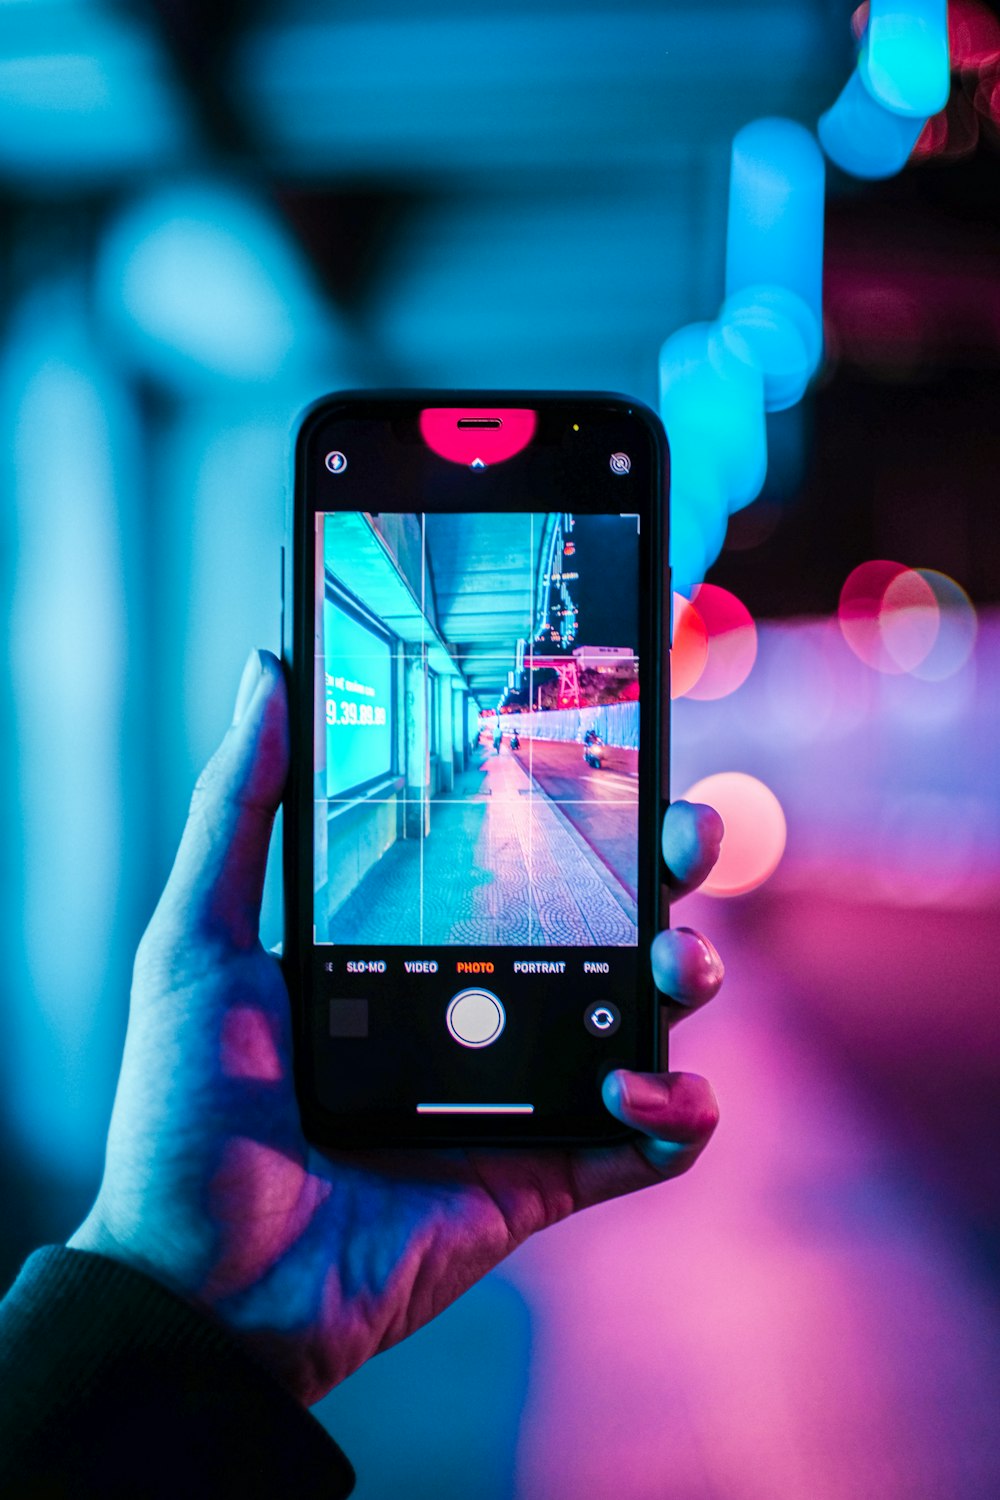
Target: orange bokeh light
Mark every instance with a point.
(732, 642)
(756, 830)
(689, 652)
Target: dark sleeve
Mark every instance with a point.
(112, 1386)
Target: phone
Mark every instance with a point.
(476, 660)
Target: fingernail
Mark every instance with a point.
(641, 1095)
(709, 961)
(613, 1092)
(252, 673)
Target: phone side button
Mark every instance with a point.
(281, 596)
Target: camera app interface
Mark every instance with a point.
(477, 723)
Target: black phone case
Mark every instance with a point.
(319, 1125)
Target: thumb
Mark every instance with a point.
(214, 890)
(675, 1115)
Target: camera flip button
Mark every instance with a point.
(602, 1019)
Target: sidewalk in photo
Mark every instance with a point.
(501, 865)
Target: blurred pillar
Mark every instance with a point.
(446, 734)
(774, 237)
(864, 138)
(77, 762)
(216, 528)
(418, 771)
(459, 719)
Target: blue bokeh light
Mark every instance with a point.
(690, 392)
(69, 436)
(775, 228)
(712, 403)
(904, 62)
(202, 286)
(862, 137)
(774, 329)
(84, 96)
(688, 552)
(469, 90)
(742, 407)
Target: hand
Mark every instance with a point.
(319, 1261)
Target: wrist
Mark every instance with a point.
(97, 1238)
(263, 1345)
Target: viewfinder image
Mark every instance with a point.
(477, 723)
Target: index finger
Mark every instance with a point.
(215, 886)
(692, 838)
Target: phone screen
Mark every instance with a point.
(482, 759)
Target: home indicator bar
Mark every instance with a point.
(475, 1109)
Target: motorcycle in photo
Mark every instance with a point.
(594, 749)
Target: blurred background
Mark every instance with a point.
(212, 213)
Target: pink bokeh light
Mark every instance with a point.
(732, 642)
(689, 652)
(888, 615)
(957, 629)
(901, 620)
(755, 835)
(908, 619)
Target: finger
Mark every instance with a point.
(692, 837)
(676, 1114)
(686, 967)
(215, 886)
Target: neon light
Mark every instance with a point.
(957, 628)
(889, 616)
(755, 835)
(204, 284)
(775, 230)
(688, 564)
(773, 328)
(909, 620)
(689, 651)
(85, 97)
(732, 642)
(712, 403)
(904, 63)
(862, 137)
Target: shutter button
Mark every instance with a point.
(475, 1018)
